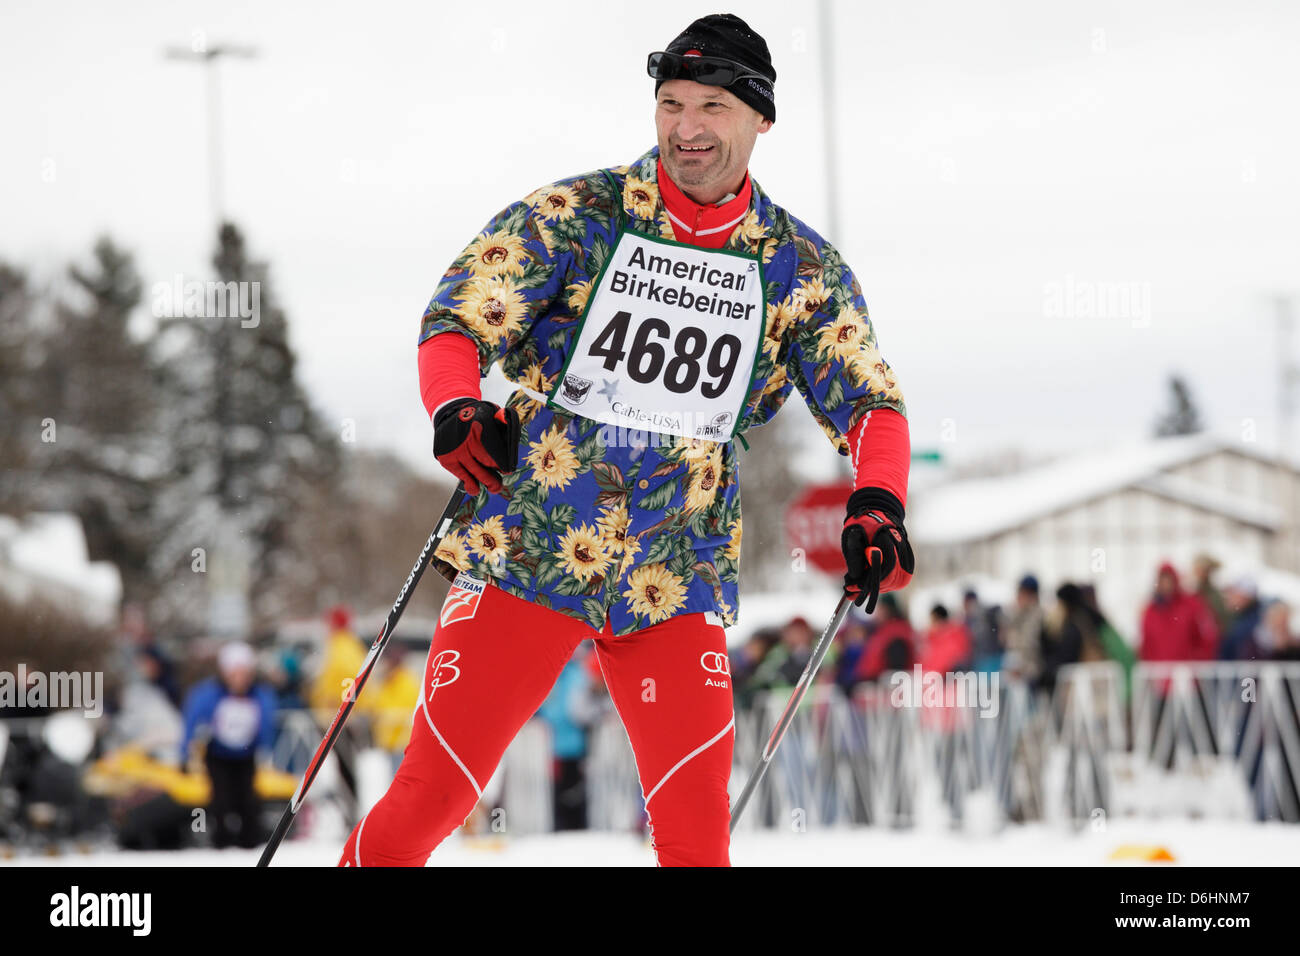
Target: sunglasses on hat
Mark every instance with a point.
(713, 70)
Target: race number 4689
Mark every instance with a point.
(647, 358)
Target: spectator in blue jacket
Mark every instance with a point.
(570, 709)
(236, 713)
(1239, 642)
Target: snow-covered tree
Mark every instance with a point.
(1181, 416)
(78, 398)
(19, 421)
(244, 449)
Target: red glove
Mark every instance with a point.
(477, 442)
(877, 554)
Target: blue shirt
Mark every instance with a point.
(239, 724)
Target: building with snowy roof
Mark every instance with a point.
(1111, 517)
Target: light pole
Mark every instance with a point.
(209, 57)
(229, 613)
(1288, 384)
(830, 144)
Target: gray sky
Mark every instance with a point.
(990, 159)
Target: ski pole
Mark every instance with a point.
(377, 648)
(792, 705)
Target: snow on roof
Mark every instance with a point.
(52, 547)
(1239, 507)
(968, 510)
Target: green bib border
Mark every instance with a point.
(595, 286)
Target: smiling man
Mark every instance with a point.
(649, 314)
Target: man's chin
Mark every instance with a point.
(691, 174)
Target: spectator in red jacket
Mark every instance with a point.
(948, 646)
(1177, 625)
(891, 646)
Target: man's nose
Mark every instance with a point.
(690, 125)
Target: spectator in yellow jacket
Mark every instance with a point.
(342, 657)
(390, 699)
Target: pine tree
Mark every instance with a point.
(19, 418)
(245, 450)
(88, 441)
(1181, 417)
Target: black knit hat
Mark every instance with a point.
(726, 35)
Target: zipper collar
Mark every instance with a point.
(707, 225)
(644, 207)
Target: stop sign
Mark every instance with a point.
(814, 521)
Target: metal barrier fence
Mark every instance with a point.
(1199, 739)
(1219, 715)
(521, 784)
(1207, 739)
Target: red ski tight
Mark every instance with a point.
(487, 674)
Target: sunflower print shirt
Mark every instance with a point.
(630, 531)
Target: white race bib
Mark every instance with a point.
(669, 340)
(235, 721)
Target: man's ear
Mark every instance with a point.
(764, 125)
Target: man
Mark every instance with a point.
(649, 313)
(1277, 634)
(570, 709)
(1177, 625)
(1068, 634)
(985, 627)
(238, 714)
(340, 660)
(1204, 567)
(391, 702)
(1024, 658)
(947, 648)
(891, 647)
(1240, 642)
(796, 646)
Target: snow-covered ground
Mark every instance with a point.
(1190, 843)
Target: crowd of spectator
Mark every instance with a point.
(225, 724)
(1030, 640)
(1033, 638)
(204, 726)
(217, 713)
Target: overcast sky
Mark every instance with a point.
(996, 161)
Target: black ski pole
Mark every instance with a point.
(377, 648)
(791, 706)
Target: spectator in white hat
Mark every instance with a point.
(237, 714)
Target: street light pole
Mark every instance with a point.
(210, 58)
(229, 613)
(1288, 383)
(830, 144)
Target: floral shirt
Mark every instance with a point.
(641, 530)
